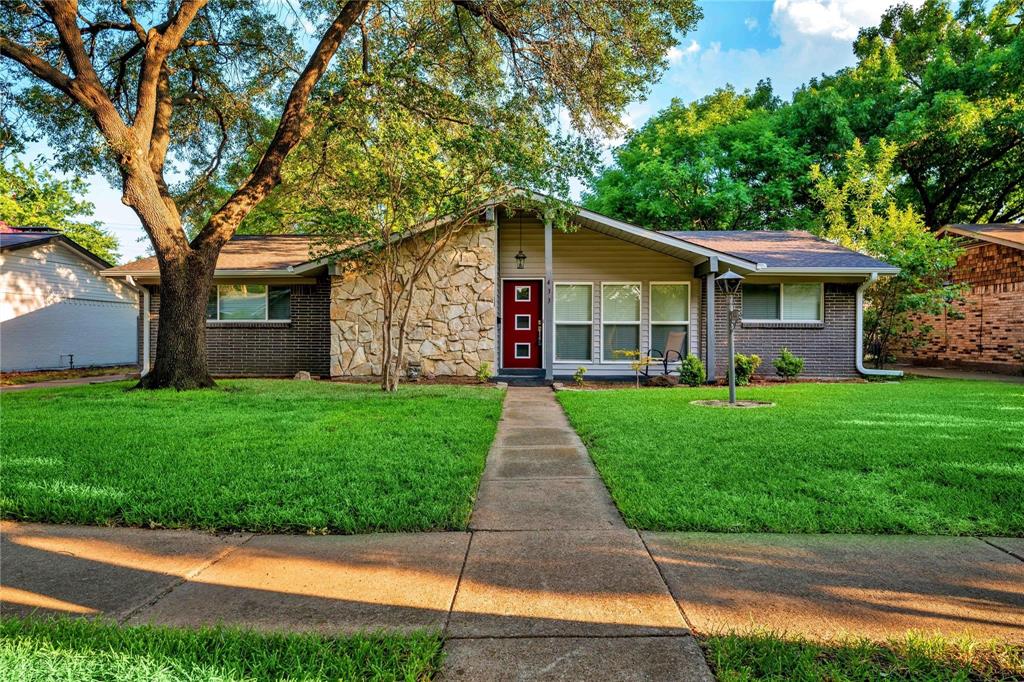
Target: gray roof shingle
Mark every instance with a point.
(780, 249)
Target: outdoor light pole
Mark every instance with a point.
(729, 283)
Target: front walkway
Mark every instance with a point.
(61, 383)
(547, 584)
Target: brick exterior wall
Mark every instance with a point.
(266, 348)
(991, 334)
(827, 348)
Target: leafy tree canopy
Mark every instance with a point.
(945, 87)
(719, 163)
(34, 197)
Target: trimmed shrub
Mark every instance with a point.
(691, 371)
(787, 365)
(746, 365)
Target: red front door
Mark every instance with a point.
(520, 324)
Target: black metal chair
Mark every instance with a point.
(674, 351)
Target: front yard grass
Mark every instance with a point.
(73, 650)
(767, 657)
(269, 456)
(921, 456)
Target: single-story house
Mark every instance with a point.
(56, 310)
(572, 299)
(988, 331)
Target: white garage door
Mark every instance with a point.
(95, 332)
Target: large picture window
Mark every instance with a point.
(574, 322)
(620, 320)
(670, 316)
(783, 302)
(248, 303)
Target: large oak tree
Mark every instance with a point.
(167, 95)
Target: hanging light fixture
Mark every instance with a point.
(520, 257)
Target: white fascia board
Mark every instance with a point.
(224, 273)
(829, 271)
(980, 236)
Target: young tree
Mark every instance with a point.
(31, 196)
(859, 212)
(136, 86)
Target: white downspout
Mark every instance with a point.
(144, 370)
(860, 335)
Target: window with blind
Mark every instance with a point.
(248, 303)
(670, 317)
(573, 322)
(620, 320)
(783, 302)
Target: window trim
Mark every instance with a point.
(515, 322)
(650, 314)
(639, 322)
(266, 305)
(555, 322)
(782, 306)
(515, 293)
(515, 351)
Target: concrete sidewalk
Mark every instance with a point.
(59, 383)
(547, 584)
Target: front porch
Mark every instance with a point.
(581, 297)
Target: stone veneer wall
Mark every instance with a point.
(990, 335)
(452, 325)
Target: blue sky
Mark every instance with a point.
(738, 42)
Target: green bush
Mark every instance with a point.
(787, 365)
(746, 365)
(691, 371)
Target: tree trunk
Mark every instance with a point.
(181, 359)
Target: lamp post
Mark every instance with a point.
(729, 284)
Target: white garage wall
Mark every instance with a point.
(54, 303)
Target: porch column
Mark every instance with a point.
(549, 292)
(709, 326)
(709, 270)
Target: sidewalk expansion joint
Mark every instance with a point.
(458, 584)
(1002, 549)
(661, 574)
(189, 575)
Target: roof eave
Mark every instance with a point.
(980, 236)
(881, 270)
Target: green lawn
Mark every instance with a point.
(73, 650)
(921, 456)
(764, 656)
(254, 455)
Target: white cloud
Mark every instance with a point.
(836, 19)
(750, 23)
(815, 37)
(674, 55)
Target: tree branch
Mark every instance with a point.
(37, 66)
(158, 46)
(290, 131)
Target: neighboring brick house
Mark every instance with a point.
(988, 332)
(526, 298)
